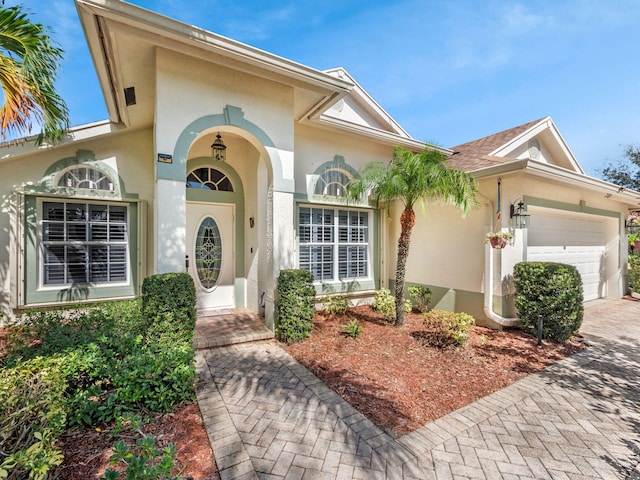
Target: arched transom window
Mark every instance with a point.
(333, 181)
(207, 178)
(89, 178)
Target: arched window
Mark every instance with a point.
(333, 178)
(88, 178)
(333, 182)
(207, 178)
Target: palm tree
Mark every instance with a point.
(29, 61)
(414, 177)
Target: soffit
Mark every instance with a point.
(122, 39)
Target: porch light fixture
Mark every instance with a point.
(518, 213)
(219, 149)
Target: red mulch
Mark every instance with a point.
(86, 452)
(389, 375)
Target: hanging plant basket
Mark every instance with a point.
(498, 240)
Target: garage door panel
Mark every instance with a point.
(575, 241)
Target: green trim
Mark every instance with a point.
(82, 158)
(231, 116)
(236, 198)
(35, 294)
(569, 207)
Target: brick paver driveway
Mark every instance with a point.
(270, 418)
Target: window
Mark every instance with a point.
(85, 177)
(333, 182)
(206, 178)
(83, 243)
(334, 244)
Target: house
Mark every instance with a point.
(230, 163)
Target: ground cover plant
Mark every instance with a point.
(90, 367)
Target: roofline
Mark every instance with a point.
(381, 136)
(93, 14)
(546, 122)
(370, 100)
(630, 197)
(26, 146)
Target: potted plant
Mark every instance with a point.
(634, 240)
(498, 239)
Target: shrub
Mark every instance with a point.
(169, 294)
(295, 305)
(634, 273)
(550, 290)
(353, 329)
(144, 461)
(32, 416)
(421, 297)
(336, 305)
(446, 329)
(385, 303)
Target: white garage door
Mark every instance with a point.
(578, 241)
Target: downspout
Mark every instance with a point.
(488, 277)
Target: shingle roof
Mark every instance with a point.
(474, 155)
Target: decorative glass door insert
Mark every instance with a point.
(208, 253)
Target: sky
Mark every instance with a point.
(448, 71)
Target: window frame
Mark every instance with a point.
(42, 243)
(33, 291)
(371, 242)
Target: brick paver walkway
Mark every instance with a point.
(270, 418)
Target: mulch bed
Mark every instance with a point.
(389, 375)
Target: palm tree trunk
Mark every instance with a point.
(407, 221)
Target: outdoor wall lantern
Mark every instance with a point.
(219, 149)
(519, 215)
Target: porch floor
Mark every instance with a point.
(217, 328)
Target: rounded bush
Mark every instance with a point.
(553, 291)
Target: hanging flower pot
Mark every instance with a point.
(498, 240)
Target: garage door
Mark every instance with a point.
(578, 241)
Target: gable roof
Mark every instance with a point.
(511, 144)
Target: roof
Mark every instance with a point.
(478, 154)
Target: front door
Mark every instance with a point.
(211, 254)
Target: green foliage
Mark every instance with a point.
(336, 305)
(172, 296)
(385, 303)
(446, 329)
(413, 178)
(143, 462)
(634, 273)
(627, 172)
(32, 416)
(86, 367)
(553, 290)
(30, 59)
(421, 297)
(353, 329)
(295, 305)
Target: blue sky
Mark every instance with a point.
(449, 71)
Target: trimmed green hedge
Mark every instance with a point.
(170, 295)
(295, 305)
(553, 290)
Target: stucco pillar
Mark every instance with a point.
(170, 226)
(280, 230)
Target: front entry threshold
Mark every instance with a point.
(229, 327)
